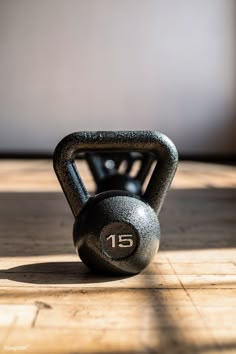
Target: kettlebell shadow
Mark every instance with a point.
(57, 273)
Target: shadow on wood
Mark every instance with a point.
(55, 273)
(34, 224)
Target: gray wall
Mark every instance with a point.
(68, 65)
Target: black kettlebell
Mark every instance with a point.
(116, 232)
(106, 174)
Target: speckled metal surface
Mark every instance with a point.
(105, 214)
(116, 215)
(142, 141)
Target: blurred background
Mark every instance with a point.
(70, 65)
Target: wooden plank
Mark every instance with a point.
(224, 339)
(34, 175)
(206, 268)
(184, 302)
(214, 255)
(89, 296)
(208, 281)
(46, 218)
(19, 315)
(68, 263)
(129, 316)
(67, 341)
(213, 297)
(218, 317)
(85, 281)
(38, 175)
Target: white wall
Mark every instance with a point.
(68, 65)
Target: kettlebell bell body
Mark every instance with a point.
(116, 232)
(115, 227)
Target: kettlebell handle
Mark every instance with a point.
(117, 141)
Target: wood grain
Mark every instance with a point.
(184, 302)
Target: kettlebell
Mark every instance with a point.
(105, 171)
(116, 232)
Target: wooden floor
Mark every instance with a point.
(184, 302)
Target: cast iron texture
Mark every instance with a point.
(117, 214)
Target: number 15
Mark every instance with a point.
(123, 240)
